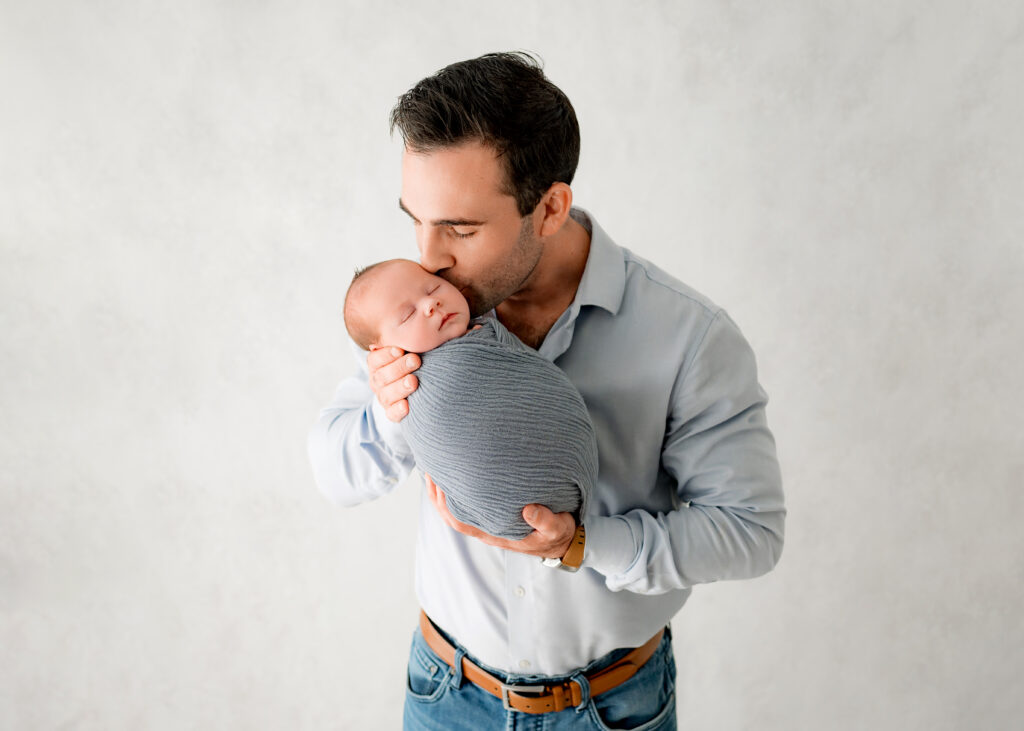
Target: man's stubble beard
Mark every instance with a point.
(484, 297)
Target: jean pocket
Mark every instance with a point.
(645, 702)
(428, 676)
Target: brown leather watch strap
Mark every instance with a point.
(574, 554)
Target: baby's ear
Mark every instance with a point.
(373, 347)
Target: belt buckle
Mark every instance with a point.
(505, 688)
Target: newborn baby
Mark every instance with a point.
(494, 424)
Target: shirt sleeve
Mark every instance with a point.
(730, 518)
(356, 452)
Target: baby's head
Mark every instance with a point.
(398, 302)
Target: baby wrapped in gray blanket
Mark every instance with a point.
(495, 425)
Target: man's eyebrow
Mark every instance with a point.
(441, 221)
(401, 206)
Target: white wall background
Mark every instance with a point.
(185, 188)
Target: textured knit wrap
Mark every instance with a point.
(497, 427)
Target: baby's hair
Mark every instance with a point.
(362, 332)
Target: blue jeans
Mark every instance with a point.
(438, 698)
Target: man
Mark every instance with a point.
(688, 485)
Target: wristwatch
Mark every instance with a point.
(573, 555)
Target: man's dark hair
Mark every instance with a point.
(504, 101)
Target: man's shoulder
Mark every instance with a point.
(646, 280)
(645, 283)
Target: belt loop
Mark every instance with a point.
(581, 680)
(457, 670)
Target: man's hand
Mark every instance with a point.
(390, 373)
(552, 532)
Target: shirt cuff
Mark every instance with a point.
(611, 547)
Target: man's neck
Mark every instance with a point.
(530, 312)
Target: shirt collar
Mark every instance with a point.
(604, 277)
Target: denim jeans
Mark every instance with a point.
(438, 698)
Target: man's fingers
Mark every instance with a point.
(542, 519)
(390, 372)
(551, 528)
(382, 356)
(397, 391)
(397, 411)
(551, 532)
(442, 507)
(436, 495)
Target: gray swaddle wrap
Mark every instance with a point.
(497, 427)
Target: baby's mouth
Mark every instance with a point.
(445, 319)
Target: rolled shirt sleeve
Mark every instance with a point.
(730, 516)
(356, 452)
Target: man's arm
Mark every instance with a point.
(551, 536)
(356, 447)
(731, 518)
(719, 450)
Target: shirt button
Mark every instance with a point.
(520, 591)
(524, 664)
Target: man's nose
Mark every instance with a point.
(434, 254)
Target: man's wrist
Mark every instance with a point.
(573, 557)
(390, 432)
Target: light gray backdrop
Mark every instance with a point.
(185, 188)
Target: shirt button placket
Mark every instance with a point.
(520, 610)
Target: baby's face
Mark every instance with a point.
(414, 309)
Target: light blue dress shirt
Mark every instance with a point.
(688, 488)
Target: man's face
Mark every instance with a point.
(412, 308)
(467, 229)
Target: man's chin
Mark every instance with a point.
(476, 307)
(479, 311)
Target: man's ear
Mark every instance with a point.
(554, 208)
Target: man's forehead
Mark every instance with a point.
(452, 181)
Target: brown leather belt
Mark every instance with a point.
(541, 698)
